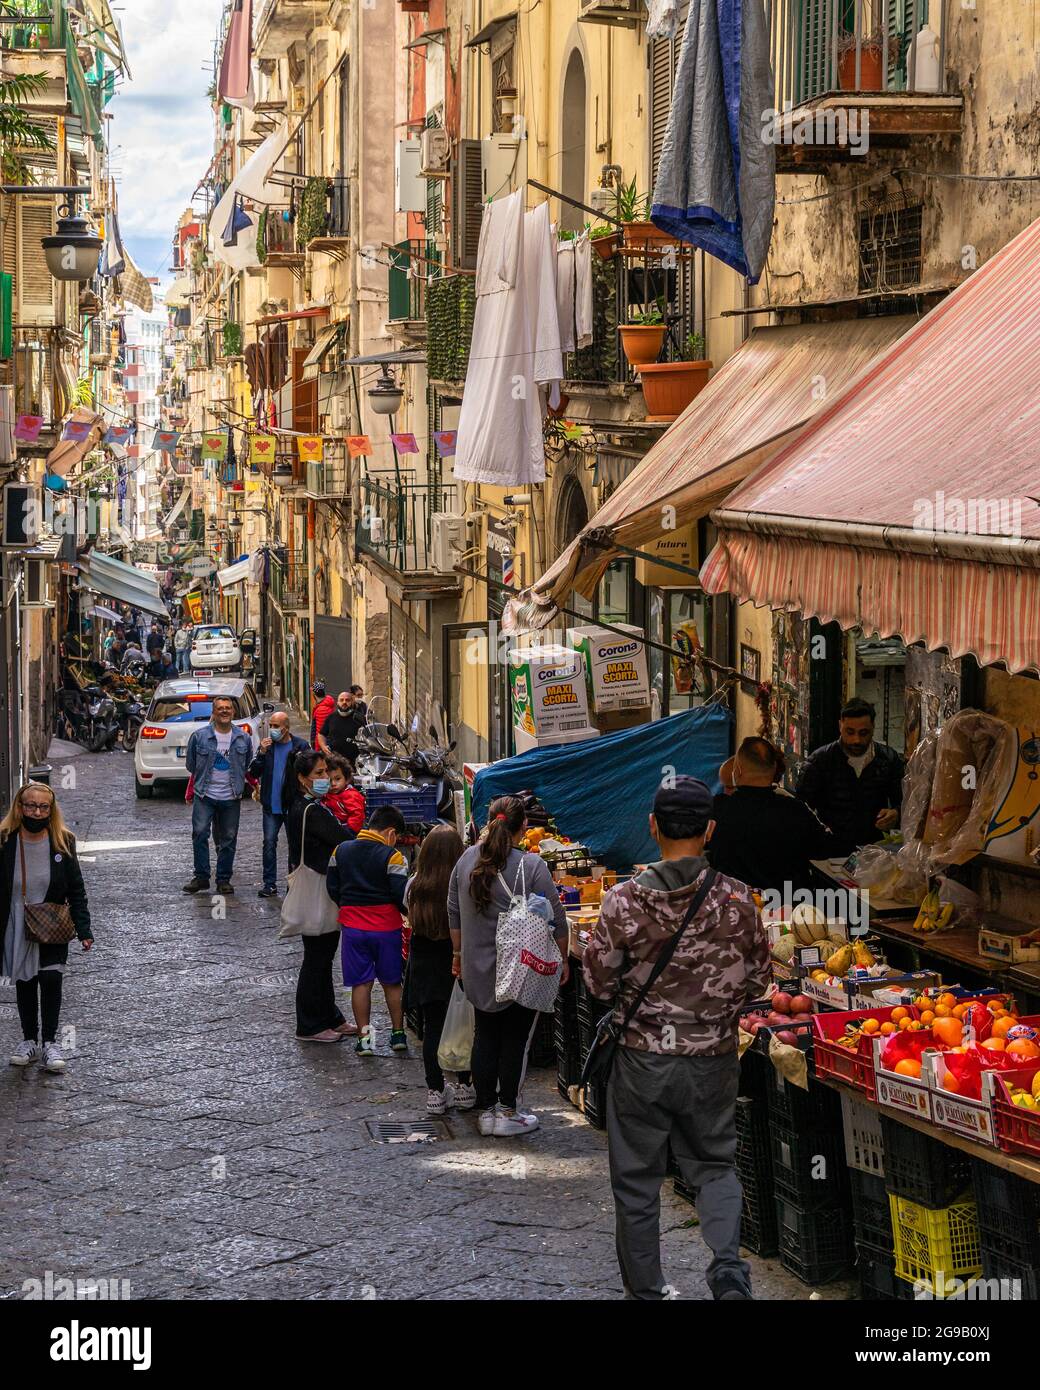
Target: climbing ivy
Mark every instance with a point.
(313, 215)
(232, 340)
(261, 237)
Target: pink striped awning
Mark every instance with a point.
(753, 404)
(909, 506)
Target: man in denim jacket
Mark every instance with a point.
(217, 757)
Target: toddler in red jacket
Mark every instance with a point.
(344, 800)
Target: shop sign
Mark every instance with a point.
(679, 546)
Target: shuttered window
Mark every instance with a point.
(35, 285)
(663, 59)
(466, 195)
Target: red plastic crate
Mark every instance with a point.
(852, 1068)
(1017, 1129)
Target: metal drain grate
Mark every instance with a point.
(407, 1131)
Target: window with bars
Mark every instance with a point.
(890, 247)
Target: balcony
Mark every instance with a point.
(450, 302)
(850, 74)
(395, 528)
(411, 263)
(277, 241)
(279, 24)
(289, 582)
(327, 228)
(33, 365)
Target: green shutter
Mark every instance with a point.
(399, 284)
(6, 316)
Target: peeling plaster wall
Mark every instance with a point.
(991, 60)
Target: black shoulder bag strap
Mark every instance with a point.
(609, 1032)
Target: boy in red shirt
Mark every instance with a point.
(344, 801)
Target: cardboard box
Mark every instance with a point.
(1010, 947)
(973, 1119)
(907, 1093)
(469, 775)
(615, 668)
(549, 697)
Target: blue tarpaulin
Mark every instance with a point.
(601, 792)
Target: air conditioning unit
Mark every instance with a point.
(629, 13)
(36, 591)
(21, 516)
(503, 164)
(434, 153)
(339, 411)
(297, 99)
(447, 541)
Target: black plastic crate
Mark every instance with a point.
(1009, 1207)
(815, 1242)
(755, 1072)
(589, 1009)
(542, 1052)
(871, 1213)
(755, 1166)
(1000, 1260)
(809, 1162)
(566, 1038)
(878, 1281)
(596, 1105)
(819, 1106)
(923, 1170)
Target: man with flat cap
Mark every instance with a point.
(675, 1075)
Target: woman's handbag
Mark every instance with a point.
(48, 924)
(609, 1032)
(528, 964)
(455, 1050)
(307, 909)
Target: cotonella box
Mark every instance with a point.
(549, 697)
(615, 667)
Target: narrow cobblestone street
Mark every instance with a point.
(196, 1150)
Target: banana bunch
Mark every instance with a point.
(933, 914)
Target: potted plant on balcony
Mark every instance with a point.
(642, 336)
(669, 387)
(877, 49)
(633, 209)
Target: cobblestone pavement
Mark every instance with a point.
(196, 1150)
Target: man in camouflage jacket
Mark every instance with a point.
(676, 1074)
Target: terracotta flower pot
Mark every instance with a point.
(639, 234)
(605, 246)
(642, 341)
(669, 387)
(871, 68)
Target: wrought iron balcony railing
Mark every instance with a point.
(289, 582)
(411, 264)
(394, 524)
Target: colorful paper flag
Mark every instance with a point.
(165, 441)
(262, 448)
(405, 443)
(358, 445)
(214, 445)
(311, 448)
(117, 434)
(28, 428)
(77, 430)
(445, 442)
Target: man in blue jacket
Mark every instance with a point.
(273, 766)
(217, 757)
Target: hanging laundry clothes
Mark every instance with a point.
(235, 81)
(565, 293)
(662, 19)
(515, 356)
(8, 416)
(716, 181)
(583, 290)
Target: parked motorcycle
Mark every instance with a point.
(386, 758)
(88, 717)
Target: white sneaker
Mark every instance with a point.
(24, 1053)
(436, 1102)
(465, 1096)
(52, 1058)
(506, 1125)
(486, 1122)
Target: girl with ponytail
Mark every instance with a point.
(482, 886)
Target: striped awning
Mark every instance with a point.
(769, 388)
(909, 507)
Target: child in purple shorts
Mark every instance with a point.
(367, 878)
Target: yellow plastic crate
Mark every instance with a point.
(935, 1247)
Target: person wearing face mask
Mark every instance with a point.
(339, 732)
(38, 864)
(272, 766)
(313, 833)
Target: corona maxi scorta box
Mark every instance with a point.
(549, 697)
(615, 668)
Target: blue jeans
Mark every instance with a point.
(273, 822)
(222, 817)
(184, 660)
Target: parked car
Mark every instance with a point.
(177, 709)
(217, 647)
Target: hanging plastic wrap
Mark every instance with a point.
(975, 762)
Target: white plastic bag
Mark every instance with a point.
(528, 963)
(307, 909)
(455, 1049)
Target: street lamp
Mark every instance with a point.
(74, 251)
(385, 396)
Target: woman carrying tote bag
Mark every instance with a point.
(43, 905)
(482, 887)
(313, 833)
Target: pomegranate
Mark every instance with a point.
(781, 1003)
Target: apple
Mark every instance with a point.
(781, 1003)
(801, 1004)
(787, 1037)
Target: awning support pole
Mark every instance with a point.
(555, 193)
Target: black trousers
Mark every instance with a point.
(500, 1045)
(433, 1015)
(316, 1007)
(41, 993)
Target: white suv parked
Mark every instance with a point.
(178, 708)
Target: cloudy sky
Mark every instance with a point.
(162, 121)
